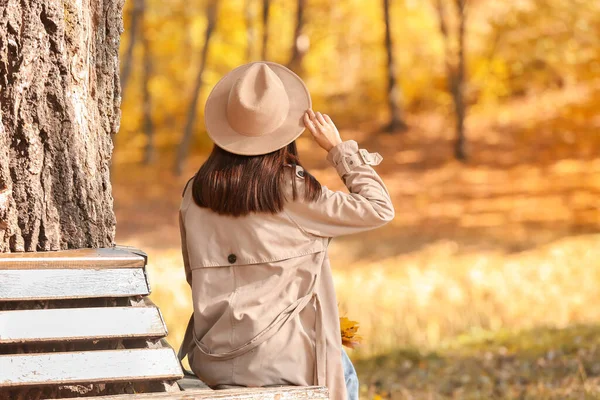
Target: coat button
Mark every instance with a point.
(231, 258)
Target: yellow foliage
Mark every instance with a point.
(513, 49)
(349, 329)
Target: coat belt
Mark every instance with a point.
(190, 339)
(289, 313)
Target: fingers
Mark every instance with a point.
(312, 122)
(309, 123)
(321, 119)
(322, 129)
(313, 118)
(318, 120)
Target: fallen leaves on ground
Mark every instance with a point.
(541, 363)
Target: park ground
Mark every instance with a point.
(486, 284)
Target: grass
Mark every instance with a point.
(423, 298)
(541, 363)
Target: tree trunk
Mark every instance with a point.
(137, 10)
(148, 126)
(211, 16)
(459, 96)
(394, 96)
(59, 99)
(455, 71)
(300, 45)
(265, 37)
(249, 15)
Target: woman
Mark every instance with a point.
(255, 229)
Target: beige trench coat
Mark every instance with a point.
(265, 310)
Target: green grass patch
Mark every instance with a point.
(541, 363)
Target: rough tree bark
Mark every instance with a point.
(455, 70)
(265, 37)
(396, 123)
(59, 106)
(211, 20)
(301, 42)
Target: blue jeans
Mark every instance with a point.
(350, 377)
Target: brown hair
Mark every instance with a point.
(232, 184)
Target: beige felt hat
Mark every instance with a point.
(256, 108)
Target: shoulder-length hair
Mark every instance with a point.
(232, 184)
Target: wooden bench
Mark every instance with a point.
(78, 323)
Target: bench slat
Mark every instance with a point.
(113, 257)
(29, 284)
(281, 393)
(25, 326)
(88, 367)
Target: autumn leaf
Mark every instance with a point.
(349, 337)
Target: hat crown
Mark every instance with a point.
(258, 102)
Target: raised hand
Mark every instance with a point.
(323, 129)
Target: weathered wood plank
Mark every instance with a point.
(30, 284)
(112, 257)
(279, 393)
(88, 367)
(66, 324)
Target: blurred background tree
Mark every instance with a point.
(300, 42)
(211, 20)
(455, 68)
(394, 93)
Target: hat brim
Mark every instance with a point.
(224, 136)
